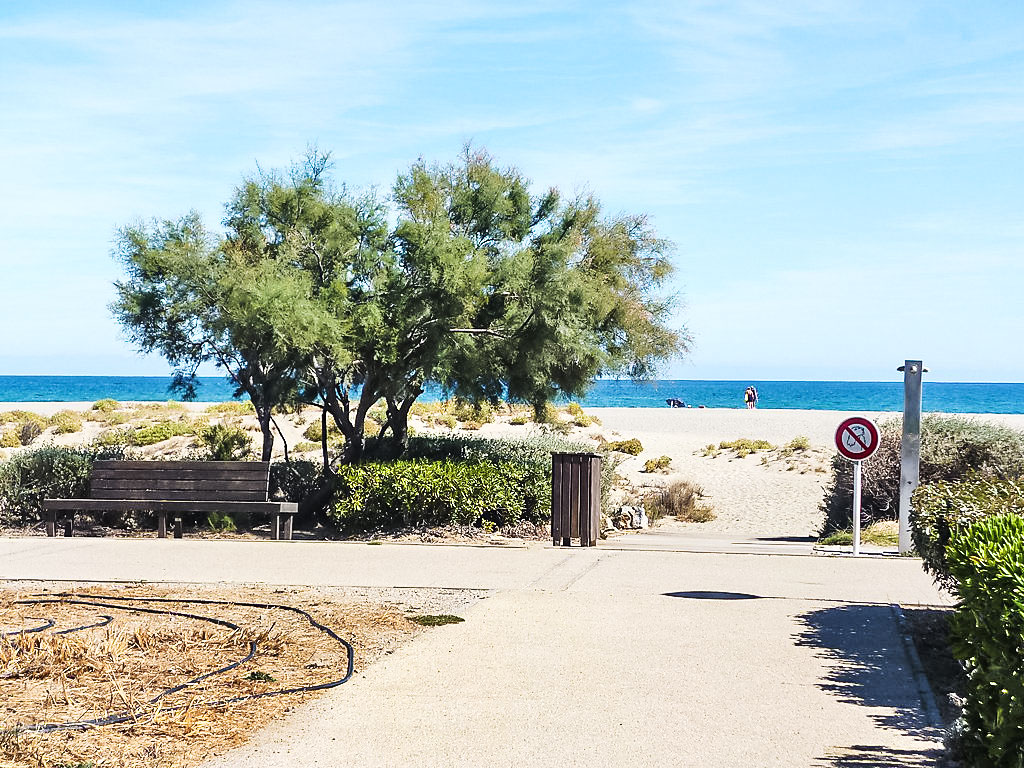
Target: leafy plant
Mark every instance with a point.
(224, 443)
(632, 446)
(655, 465)
(438, 620)
(66, 422)
(986, 563)
(106, 405)
(797, 444)
(29, 430)
(221, 522)
(231, 408)
(743, 446)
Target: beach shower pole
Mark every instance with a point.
(910, 446)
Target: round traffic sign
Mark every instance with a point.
(857, 438)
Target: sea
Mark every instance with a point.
(944, 397)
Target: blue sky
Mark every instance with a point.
(844, 181)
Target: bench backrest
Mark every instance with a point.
(180, 480)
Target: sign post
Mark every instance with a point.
(857, 439)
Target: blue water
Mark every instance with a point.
(812, 395)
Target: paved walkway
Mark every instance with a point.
(640, 652)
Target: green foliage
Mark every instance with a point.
(471, 426)
(435, 620)
(258, 676)
(30, 476)
(157, 433)
(680, 499)
(436, 493)
(221, 522)
(797, 444)
(10, 439)
(655, 465)
(986, 562)
(314, 433)
(305, 446)
(66, 422)
(519, 420)
(106, 405)
(295, 480)
(743, 446)
(951, 448)
(881, 534)
(632, 446)
(475, 413)
(224, 443)
(940, 508)
(231, 408)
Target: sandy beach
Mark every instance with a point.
(763, 494)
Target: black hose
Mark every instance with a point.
(15, 632)
(133, 715)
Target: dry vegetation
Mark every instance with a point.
(131, 665)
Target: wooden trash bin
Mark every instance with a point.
(575, 498)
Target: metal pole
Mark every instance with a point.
(856, 507)
(910, 447)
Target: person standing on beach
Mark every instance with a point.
(750, 397)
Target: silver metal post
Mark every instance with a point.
(856, 507)
(910, 447)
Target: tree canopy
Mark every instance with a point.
(463, 279)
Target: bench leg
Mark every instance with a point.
(69, 526)
(288, 527)
(51, 523)
(277, 526)
(161, 525)
(178, 533)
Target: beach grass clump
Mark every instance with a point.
(305, 446)
(159, 432)
(314, 432)
(680, 499)
(471, 426)
(796, 445)
(658, 464)
(231, 408)
(519, 420)
(106, 405)
(66, 422)
(952, 448)
(632, 446)
(744, 446)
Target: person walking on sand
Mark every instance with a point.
(750, 397)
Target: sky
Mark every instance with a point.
(843, 181)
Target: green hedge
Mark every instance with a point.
(951, 448)
(379, 495)
(938, 509)
(986, 560)
(30, 476)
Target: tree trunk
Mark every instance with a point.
(268, 435)
(398, 422)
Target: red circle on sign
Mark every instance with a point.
(857, 438)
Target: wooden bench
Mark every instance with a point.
(175, 487)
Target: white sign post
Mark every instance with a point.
(857, 440)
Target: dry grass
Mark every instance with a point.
(127, 666)
(682, 500)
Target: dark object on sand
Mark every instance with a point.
(675, 402)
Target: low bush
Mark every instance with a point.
(471, 426)
(940, 508)
(295, 480)
(797, 444)
(221, 522)
(479, 413)
(655, 465)
(582, 420)
(29, 430)
(986, 563)
(10, 439)
(519, 420)
(30, 476)
(66, 422)
(314, 432)
(680, 499)
(632, 446)
(436, 493)
(231, 408)
(106, 405)
(224, 443)
(951, 448)
(157, 433)
(745, 446)
(305, 446)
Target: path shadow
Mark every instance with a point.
(861, 756)
(867, 665)
(788, 539)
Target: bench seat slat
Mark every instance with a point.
(169, 505)
(197, 474)
(148, 483)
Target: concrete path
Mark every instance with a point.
(646, 654)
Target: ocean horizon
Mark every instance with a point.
(944, 397)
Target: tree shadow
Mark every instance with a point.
(712, 595)
(868, 665)
(863, 756)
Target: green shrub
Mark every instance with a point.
(295, 480)
(986, 562)
(743, 446)
(939, 509)
(680, 499)
(221, 522)
(66, 422)
(519, 420)
(654, 465)
(436, 493)
(951, 448)
(10, 439)
(314, 432)
(30, 476)
(480, 413)
(574, 409)
(223, 443)
(800, 443)
(582, 420)
(305, 446)
(106, 405)
(632, 446)
(231, 408)
(157, 433)
(29, 430)
(471, 426)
